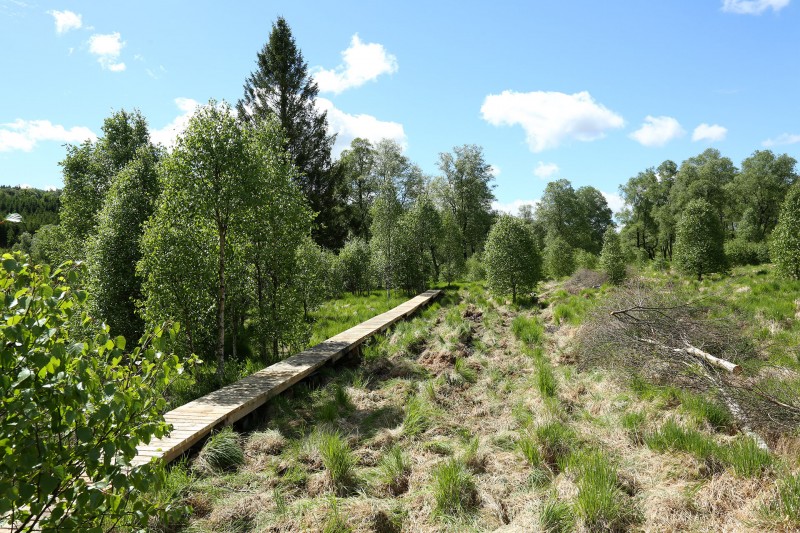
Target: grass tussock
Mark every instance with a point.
(785, 508)
(418, 416)
(546, 381)
(556, 441)
(338, 459)
(454, 489)
(600, 503)
(222, 452)
(556, 516)
(528, 330)
(394, 470)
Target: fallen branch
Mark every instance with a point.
(697, 352)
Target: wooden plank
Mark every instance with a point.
(193, 421)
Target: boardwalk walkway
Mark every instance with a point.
(194, 420)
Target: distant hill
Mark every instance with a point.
(36, 206)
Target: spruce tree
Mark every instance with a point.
(699, 240)
(786, 236)
(281, 87)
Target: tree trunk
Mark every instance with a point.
(220, 351)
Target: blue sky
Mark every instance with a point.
(585, 90)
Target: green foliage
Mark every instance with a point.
(556, 441)
(785, 243)
(384, 253)
(467, 373)
(281, 89)
(49, 245)
(513, 264)
(113, 250)
(354, 260)
(454, 489)
(222, 452)
(465, 190)
(699, 240)
(317, 276)
(38, 208)
(584, 259)
(74, 409)
(475, 268)
(612, 260)
(89, 171)
(558, 256)
(741, 252)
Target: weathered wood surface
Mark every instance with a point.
(194, 420)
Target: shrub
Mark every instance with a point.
(84, 401)
(585, 260)
(699, 238)
(785, 241)
(741, 252)
(476, 270)
(453, 488)
(558, 257)
(612, 260)
(222, 452)
(513, 263)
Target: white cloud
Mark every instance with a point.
(512, 207)
(66, 20)
(783, 138)
(545, 170)
(657, 131)
(107, 48)
(347, 127)
(167, 135)
(550, 118)
(50, 188)
(615, 201)
(25, 134)
(363, 62)
(753, 7)
(494, 170)
(706, 132)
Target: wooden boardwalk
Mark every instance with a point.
(194, 420)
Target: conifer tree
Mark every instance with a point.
(282, 88)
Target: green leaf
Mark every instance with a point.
(84, 434)
(24, 374)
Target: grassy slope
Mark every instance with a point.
(473, 417)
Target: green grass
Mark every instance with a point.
(338, 460)
(222, 452)
(600, 503)
(556, 516)
(394, 469)
(786, 506)
(743, 455)
(334, 523)
(556, 441)
(528, 330)
(704, 410)
(633, 424)
(529, 447)
(453, 489)
(546, 380)
(746, 458)
(418, 416)
(335, 316)
(468, 374)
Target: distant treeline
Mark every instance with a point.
(37, 207)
